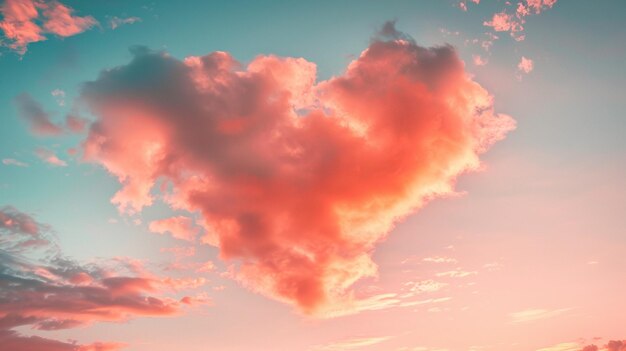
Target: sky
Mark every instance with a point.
(319, 176)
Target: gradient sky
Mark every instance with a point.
(525, 252)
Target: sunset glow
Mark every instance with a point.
(355, 175)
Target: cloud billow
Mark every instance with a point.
(295, 181)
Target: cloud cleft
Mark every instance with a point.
(295, 181)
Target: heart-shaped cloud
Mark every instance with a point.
(296, 181)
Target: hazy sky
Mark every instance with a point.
(329, 175)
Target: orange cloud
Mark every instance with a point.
(296, 181)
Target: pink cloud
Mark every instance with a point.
(181, 254)
(26, 21)
(11, 340)
(60, 21)
(463, 4)
(525, 65)
(38, 119)
(179, 227)
(504, 22)
(18, 24)
(102, 346)
(514, 23)
(616, 345)
(612, 345)
(75, 123)
(43, 289)
(539, 5)
(21, 230)
(48, 156)
(296, 181)
(478, 60)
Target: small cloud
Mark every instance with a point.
(75, 123)
(38, 119)
(525, 65)
(504, 22)
(206, 267)
(381, 302)
(13, 162)
(493, 266)
(535, 314)
(59, 95)
(425, 286)
(421, 348)
(352, 344)
(463, 4)
(456, 273)
(116, 22)
(478, 60)
(179, 227)
(389, 32)
(564, 346)
(447, 32)
(180, 252)
(440, 259)
(612, 345)
(514, 22)
(49, 157)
